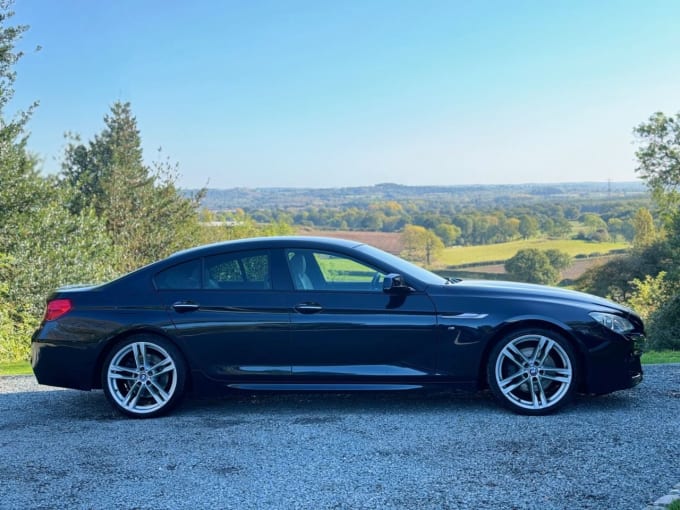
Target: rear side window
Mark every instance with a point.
(243, 270)
(181, 276)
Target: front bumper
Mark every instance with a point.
(615, 364)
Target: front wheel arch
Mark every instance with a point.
(533, 370)
(532, 324)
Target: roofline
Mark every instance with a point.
(273, 240)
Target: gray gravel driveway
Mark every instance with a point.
(68, 449)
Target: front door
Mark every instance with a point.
(344, 325)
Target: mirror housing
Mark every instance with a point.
(393, 283)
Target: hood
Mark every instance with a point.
(528, 291)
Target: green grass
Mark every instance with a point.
(652, 357)
(675, 505)
(457, 255)
(648, 358)
(16, 368)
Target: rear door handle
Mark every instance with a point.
(185, 306)
(308, 307)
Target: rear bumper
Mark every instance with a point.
(64, 366)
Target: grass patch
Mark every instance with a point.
(457, 255)
(675, 505)
(16, 368)
(653, 357)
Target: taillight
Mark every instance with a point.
(56, 308)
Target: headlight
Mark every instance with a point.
(614, 322)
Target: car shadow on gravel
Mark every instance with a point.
(79, 405)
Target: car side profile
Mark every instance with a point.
(304, 313)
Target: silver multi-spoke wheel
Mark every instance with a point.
(143, 377)
(532, 372)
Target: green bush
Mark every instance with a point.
(15, 333)
(663, 326)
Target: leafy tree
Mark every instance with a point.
(594, 222)
(650, 293)
(614, 279)
(558, 259)
(663, 327)
(42, 245)
(643, 223)
(447, 233)
(146, 216)
(533, 266)
(421, 244)
(528, 226)
(658, 158)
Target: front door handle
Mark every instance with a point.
(308, 307)
(185, 306)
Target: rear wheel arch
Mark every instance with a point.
(122, 337)
(144, 375)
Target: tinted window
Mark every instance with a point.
(181, 276)
(243, 270)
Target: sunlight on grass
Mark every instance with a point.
(457, 255)
(653, 357)
(16, 368)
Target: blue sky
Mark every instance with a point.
(345, 93)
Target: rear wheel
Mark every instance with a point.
(532, 371)
(144, 376)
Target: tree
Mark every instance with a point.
(533, 266)
(658, 158)
(558, 259)
(42, 245)
(614, 279)
(643, 223)
(146, 216)
(447, 233)
(421, 244)
(528, 226)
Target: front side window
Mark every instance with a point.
(316, 270)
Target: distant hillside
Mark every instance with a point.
(360, 196)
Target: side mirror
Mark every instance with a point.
(393, 283)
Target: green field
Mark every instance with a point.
(457, 255)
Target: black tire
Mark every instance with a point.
(144, 376)
(533, 371)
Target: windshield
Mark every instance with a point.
(402, 266)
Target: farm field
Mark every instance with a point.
(459, 255)
(497, 271)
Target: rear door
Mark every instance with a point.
(230, 320)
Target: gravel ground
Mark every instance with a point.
(68, 449)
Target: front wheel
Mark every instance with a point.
(144, 376)
(532, 371)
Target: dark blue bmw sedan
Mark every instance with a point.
(301, 313)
